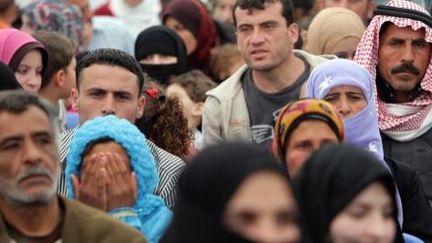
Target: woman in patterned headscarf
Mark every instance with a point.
(58, 16)
(301, 128)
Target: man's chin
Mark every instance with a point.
(404, 85)
(26, 199)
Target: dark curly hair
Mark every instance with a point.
(164, 122)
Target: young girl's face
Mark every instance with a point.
(106, 148)
(367, 218)
(29, 71)
(263, 209)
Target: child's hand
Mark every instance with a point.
(91, 187)
(122, 185)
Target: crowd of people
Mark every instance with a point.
(215, 121)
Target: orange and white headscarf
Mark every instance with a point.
(407, 121)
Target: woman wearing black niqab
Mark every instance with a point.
(161, 40)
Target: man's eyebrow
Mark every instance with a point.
(122, 92)
(41, 133)
(397, 39)
(419, 40)
(12, 138)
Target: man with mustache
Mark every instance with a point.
(396, 49)
(30, 209)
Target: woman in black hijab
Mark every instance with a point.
(346, 195)
(220, 198)
(161, 53)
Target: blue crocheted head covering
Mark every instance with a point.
(133, 142)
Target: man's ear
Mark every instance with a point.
(294, 31)
(59, 78)
(75, 96)
(141, 106)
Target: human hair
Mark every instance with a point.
(384, 28)
(111, 57)
(18, 101)
(287, 8)
(307, 5)
(164, 122)
(195, 83)
(60, 50)
(95, 142)
(225, 57)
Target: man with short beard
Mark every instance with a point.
(30, 209)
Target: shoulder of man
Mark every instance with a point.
(83, 223)
(65, 139)
(230, 87)
(170, 168)
(164, 159)
(313, 60)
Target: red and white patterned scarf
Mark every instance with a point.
(407, 121)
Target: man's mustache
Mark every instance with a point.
(35, 170)
(405, 67)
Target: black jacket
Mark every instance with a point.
(417, 214)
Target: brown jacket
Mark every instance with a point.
(85, 224)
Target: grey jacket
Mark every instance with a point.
(225, 115)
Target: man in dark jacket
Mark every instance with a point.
(396, 49)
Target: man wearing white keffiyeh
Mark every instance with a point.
(396, 49)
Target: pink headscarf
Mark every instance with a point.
(408, 124)
(14, 44)
(11, 40)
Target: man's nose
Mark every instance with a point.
(109, 105)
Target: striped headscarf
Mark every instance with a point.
(407, 121)
(294, 113)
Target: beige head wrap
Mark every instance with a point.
(330, 26)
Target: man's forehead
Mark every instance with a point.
(407, 32)
(261, 14)
(347, 1)
(33, 119)
(98, 76)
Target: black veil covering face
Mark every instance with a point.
(161, 40)
(206, 187)
(330, 179)
(8, 80)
